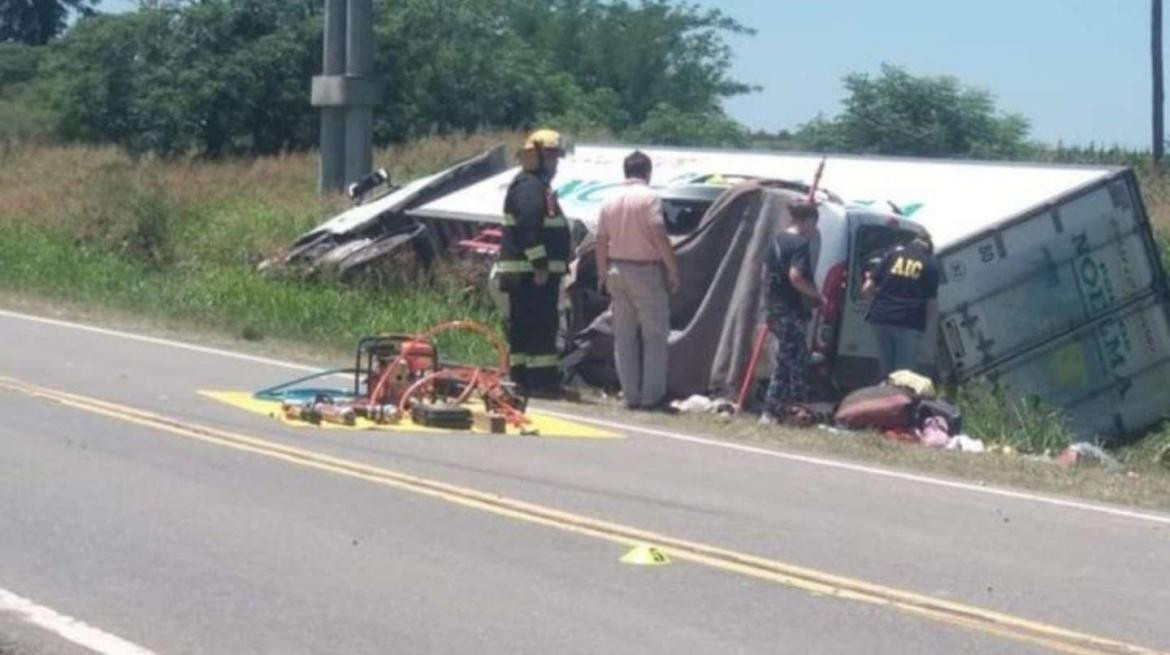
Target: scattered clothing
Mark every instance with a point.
(699, 404)
(1079, 452)
(882, 407)
(903, 435)
(934, 433)
(933, 407)
(920, 385)
(966, 444)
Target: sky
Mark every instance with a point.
(1078, 69)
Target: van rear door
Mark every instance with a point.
(856, 361)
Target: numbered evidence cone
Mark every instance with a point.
(645, 555)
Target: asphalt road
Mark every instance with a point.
(180, 538)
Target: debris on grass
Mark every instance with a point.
(1082, 452)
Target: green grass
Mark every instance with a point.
(233, 298)
(180, 240)
(1022, 423)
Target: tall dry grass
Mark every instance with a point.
(181, 238)
(76, 189)
(1156, 194)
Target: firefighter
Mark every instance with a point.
(534, 255)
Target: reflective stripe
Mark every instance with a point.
(522, 266)
(543, 361)
(508, 220)
(516, 359)
(514, 266)
(556, 221)
(536, 252)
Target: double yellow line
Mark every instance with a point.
(817, 582)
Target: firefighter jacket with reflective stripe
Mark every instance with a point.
(536, 233)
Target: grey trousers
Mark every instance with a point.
(897, 348)
(641, 327)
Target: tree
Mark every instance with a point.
(898, 113)
(667, 125)
(647, 54)
(215, 77)
(584, 64)
(221, 77)
(24, 108)
(36, 22)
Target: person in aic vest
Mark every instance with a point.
(903, 292)
(534, 255)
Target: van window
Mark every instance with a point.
(683, 216)
(871, 242)
(685, 205)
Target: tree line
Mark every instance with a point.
(230, 77)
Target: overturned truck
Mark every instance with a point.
(1051, 279)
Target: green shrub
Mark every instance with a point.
(1024, 423)
(128, 214)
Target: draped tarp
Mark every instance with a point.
(719, 304)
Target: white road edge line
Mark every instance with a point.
(778, 454)
(873, 470)
(67, 627)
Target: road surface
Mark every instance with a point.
(137, 515)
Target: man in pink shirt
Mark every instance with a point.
(635, 261)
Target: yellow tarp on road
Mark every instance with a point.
(545, 426)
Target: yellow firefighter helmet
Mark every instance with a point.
(545, 139)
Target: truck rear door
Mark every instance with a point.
(1066, 303)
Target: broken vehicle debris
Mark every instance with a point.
(380, 225)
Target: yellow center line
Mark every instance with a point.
(811, 580)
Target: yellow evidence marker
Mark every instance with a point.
(645, 555)
(543, 425)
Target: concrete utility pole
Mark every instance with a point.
(346, 92)
(1159, 100)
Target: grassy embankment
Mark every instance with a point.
(179, 242)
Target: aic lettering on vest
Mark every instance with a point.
(907, 268)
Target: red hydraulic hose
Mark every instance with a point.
(753, 364)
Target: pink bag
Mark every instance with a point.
(935, 432)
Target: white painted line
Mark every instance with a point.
(67, 627)
(874, 470)
(158, 341)
(1150, 517)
